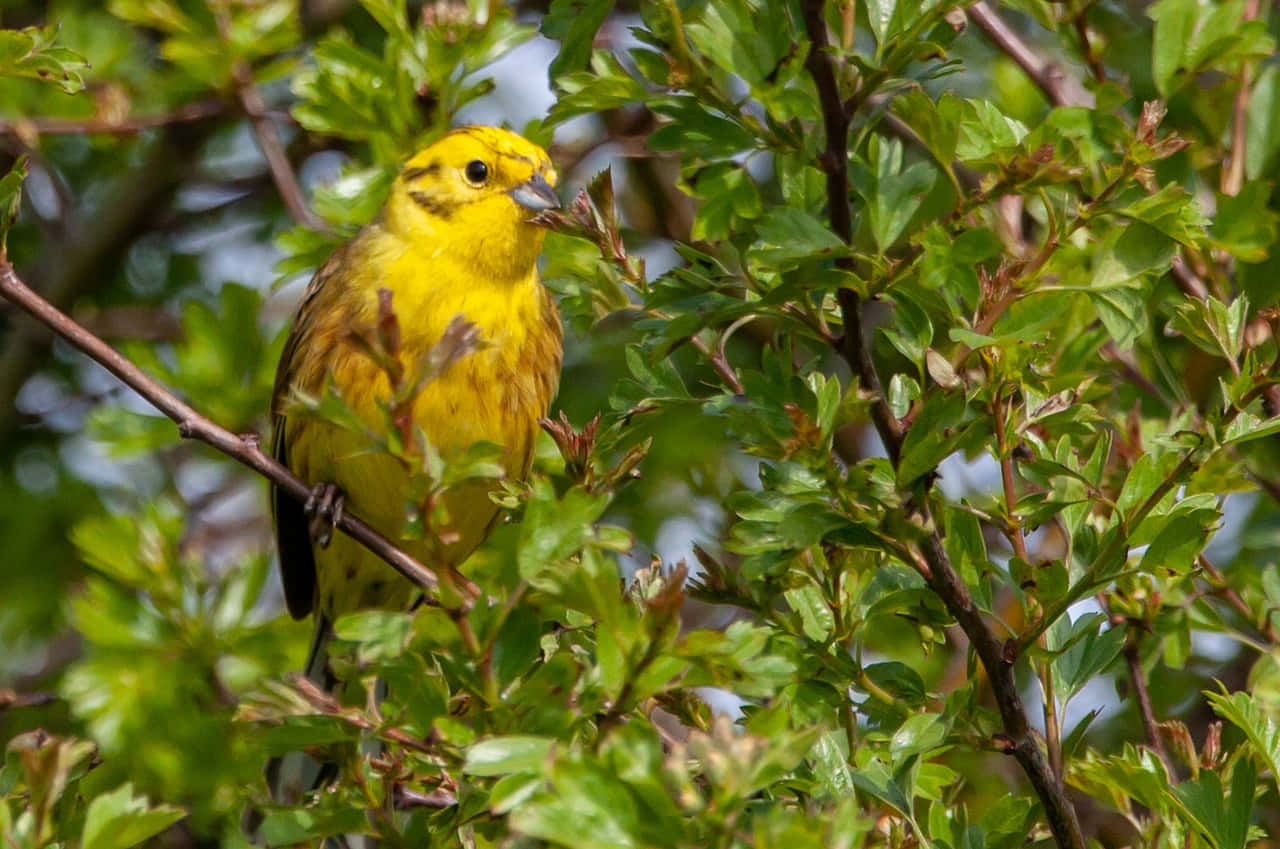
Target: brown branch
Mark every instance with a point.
(191, 425)
(264, 132)
(1091, 58)
(73, 269)
(1233, 175)
(13, 699)
(932, 560)
(835, 162)
(1150, 728)
(185, 114)
(1233, 598)
(1045, 73)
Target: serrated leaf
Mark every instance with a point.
(119, 820)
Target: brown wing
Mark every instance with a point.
(293, 539)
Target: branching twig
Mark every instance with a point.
(1061, 91)
(932, 560)
(192, 425)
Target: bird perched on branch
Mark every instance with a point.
(457, 238)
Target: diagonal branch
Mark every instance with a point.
(264, 132)
(931, 560)
(1061, 89)
(192, 425)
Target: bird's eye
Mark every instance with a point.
(476, 172)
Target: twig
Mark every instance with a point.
(1047, 75)
(264, 132)
(1233, 598)
(14, 699)
(1233, 175)
(1188, 281)
(75, 268)
(1150, 727)
(1133, 659)
(191, 425)
(1061, 91)
(931, 560)
(835, 162)
(1086, 48)
(185, 114)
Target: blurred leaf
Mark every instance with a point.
(119, 819)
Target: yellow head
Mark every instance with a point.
(476, 191)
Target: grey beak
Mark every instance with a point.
(535, 195)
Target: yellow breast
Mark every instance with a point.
(495, 394)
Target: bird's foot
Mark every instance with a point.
(324, 507)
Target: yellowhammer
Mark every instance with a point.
(456, 237)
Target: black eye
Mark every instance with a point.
(476, 172)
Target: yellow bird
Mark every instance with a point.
(456, 237)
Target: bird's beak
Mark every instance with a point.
(535, 195)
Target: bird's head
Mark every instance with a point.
(476, 190)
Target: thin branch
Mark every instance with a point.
(1233, 175)
(931, 560)
(1061, 91)
(1188, 281)
(185, 114)
(1228, 592)
(1045, 73)
(835, 162)
(13, 699)
(192, 425)
(72, 269)
(1150, 728)
(264, 132)
(1091, 58)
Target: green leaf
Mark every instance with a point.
(11, 200)
(381, 634)
(555, 528)
(1175, 21)
(1212, 325)
(32, 53)
(745, 38)
(1246, 427)
(1262, 731)
(1176, 546)
(119, 819)
(505, 755)
(1245, 226)
(1262, 136)
(574, 23)
(787, 236)
(1089, 652)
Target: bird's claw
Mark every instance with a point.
(325, 506)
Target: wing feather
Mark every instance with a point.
(293, 538)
